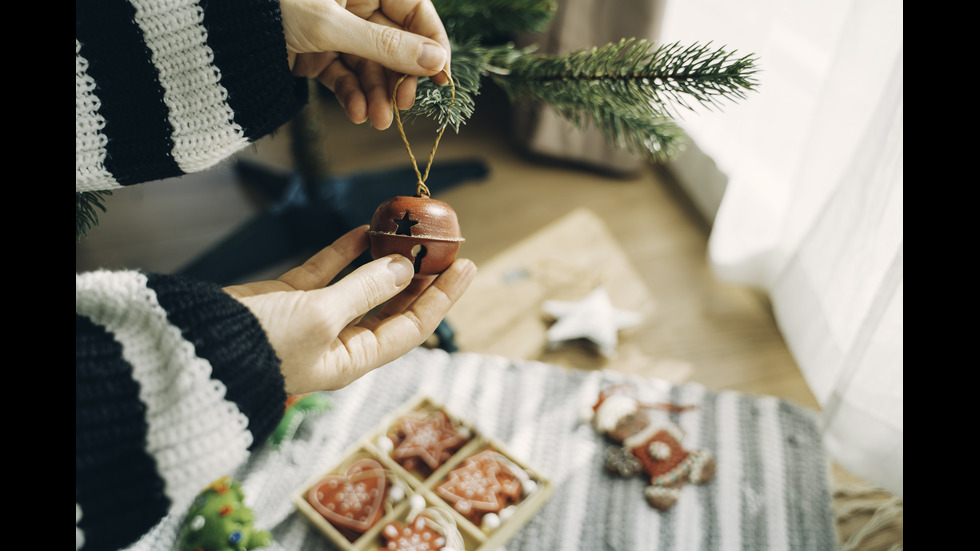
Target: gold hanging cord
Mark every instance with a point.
(422, 190)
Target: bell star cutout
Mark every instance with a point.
(594, 318)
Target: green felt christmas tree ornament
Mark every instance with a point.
(299, 407)
(218, 520)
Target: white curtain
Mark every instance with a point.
(812, 212)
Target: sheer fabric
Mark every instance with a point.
(812, 212)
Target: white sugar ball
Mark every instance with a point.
(491, 521)
(385, 444)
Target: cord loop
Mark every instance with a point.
(421, 189)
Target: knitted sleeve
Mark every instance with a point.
(175, 383)
(169, 88)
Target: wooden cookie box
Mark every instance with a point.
(474, 538)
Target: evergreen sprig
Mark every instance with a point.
(87, 207)
(490, 21)
(633, 72)
(630, 90)
(438, 102)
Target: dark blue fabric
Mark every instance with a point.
(137, 125)
(115, 477)
(226, 334)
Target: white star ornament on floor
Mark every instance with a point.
(594, 318)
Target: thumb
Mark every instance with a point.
(398, 50)
(369, 286)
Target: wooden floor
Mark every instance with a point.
(702, 330)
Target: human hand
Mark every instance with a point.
(321, 332)
(357, 48)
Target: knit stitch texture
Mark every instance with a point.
(175, 381)
(164, 89)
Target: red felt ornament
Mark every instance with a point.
(653, 448)
(420, 228)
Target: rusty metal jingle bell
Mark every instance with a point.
(420, 228)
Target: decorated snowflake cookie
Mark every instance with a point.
(414, 536)
(485, 483)
(353, 501)
(426, 440)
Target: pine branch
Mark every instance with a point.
(656, 138)
(437, 102)
(629, 90)
(489, 21)
(87, 205)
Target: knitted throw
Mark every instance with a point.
(770, 491)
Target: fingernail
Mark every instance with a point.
(402, 269)
(432, 57)
(470, 268)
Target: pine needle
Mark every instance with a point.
(438, 103)
(87, 207)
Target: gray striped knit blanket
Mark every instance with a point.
(770, 491)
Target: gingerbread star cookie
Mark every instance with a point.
(431, 439)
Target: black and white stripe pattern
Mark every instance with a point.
(175, 383)
(771, 490)
(169, 88)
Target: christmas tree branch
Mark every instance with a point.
(632, 72)
(444, 104)
(629, 90)
(489, 21)
(87, 205)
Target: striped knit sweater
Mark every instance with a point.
(175, 381)
(168, 88)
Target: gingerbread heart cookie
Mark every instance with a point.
(351, 501)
